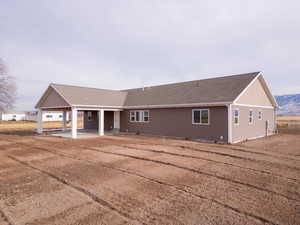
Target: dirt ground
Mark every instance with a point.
(143, 180)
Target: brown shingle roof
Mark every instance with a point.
(213, 90)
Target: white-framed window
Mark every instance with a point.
(49, 116)
(250, 116)
(132, 116)
(200, 116)
(146, 116)
(139, 116)
(60, 116)
(260, 115)
(89, 116)
(236, 116)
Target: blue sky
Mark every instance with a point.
(123, 44)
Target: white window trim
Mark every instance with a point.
(261, 114)
(201, 117)
(147, 116)
(132, 121)
(141, 115)
(234, 116)
(250, 110)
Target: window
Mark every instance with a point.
(146, 116)
(48, 116)
(250, 116)
(132, 116)
(89, 116)
(236, 116)
(200, 116)
(60, 116)
(259, 115)
(139, 116)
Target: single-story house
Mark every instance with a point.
(228, 109)
(12, 116)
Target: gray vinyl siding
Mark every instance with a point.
(177, 122)
(244, 130)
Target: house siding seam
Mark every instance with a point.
(178, 123)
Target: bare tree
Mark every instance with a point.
(7, 88)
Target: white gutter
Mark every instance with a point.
(157, 106)
(179, 105)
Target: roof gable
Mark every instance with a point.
(90, 96)
(257, 93)
(51, 98)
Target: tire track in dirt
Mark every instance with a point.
(89, 194)
(132, 173)
(237, 157)
(231, 147)
(262, 153)
(210, 160)
(217, 153)
(198, 172)
(185, 168)
(5, 218)
(212, 152)
(220, 203)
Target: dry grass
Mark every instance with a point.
(288, 124)
(288, 118)
(28, 127)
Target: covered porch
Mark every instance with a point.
(100, 109)
(95, 122)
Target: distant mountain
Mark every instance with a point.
(288, 104)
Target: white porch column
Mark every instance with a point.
(116, 119)
(40, 121)
(74, 123)
(101, 122)
(64, 120)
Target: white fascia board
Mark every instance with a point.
(96, 109)
(255, 106)
(179, 105)
(153, 106)
(269, 93)
(98, 106)
(44, 95)
(246, 88)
